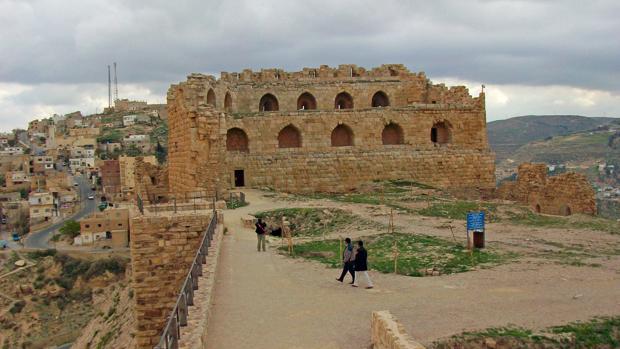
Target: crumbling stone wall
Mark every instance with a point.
(563, 194)
(325, 149)
(195, 146)
(388, 333)
(151, 181)
(162, 250)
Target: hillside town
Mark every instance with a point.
(72, 167)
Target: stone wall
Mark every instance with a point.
(428, 133)
(563, 194)
(388, 333)
(151, 181)
(162, 250)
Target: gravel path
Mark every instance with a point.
(265, 300)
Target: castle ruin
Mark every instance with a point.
(324, 130)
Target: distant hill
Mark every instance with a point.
(506, 136)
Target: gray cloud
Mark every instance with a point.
(572, 43)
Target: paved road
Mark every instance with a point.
(41, 238)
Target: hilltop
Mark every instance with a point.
(506, 136)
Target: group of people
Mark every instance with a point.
(355, 262)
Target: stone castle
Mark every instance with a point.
(324, 130)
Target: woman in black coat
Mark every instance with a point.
(361, 265)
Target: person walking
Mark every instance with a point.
(348, 260)
(260, 234)
(361, 265)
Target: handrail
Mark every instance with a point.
(178, 317)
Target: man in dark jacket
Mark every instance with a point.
(260, 234)
(361, 265)
(348, 260)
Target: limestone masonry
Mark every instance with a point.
(563, 194)
(325, 129)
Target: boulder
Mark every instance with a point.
(20, 263)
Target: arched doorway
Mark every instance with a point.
(289, 137)
(306, 101)
(566, 210)
(380, 99)
(237, 140)
(342, 136)
(440, 133)
(343, 101)
(211, 97)
(228, 102)
(392, 134)
(537, 208)
(268, 102)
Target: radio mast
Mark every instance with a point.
(115, 84)
(109, 88)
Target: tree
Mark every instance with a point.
(71, 228)
(133, 150)
(23, 192)
(161, 153)
(2, 180)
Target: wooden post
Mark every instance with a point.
(395, 249)
(452, 231)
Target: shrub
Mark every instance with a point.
(17, 307)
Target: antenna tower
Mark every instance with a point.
(109, 88)
(115, 84)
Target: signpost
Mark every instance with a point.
(475, 224)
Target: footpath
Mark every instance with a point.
(266, 300)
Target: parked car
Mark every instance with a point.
(75, 184)
(3, 220)
(91, 197)
(4, 244)
(15, 237)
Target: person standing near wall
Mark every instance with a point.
(260, 234)
(348, 260)
(361, 265)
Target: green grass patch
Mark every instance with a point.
(601, 332)
(529, 218)
(416, 253)
(459, 210)
(315, 221)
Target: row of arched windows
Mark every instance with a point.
(305, 101)
(341, 136)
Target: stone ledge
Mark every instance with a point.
(388, 333)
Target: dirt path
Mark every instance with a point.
(265, 300)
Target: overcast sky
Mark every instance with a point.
(535, 57)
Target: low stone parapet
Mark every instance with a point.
(388, 333)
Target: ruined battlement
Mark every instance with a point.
(351, 72)
(324, 88)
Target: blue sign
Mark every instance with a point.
(475, 221)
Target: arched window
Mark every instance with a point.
(343, 101)
(440, 133)
(392, 134)
(380, 99)
(228, 102)
(236, 140)
(268, 102)
(211, 97)
(289, 137)
(306, 101)
(342, 136)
